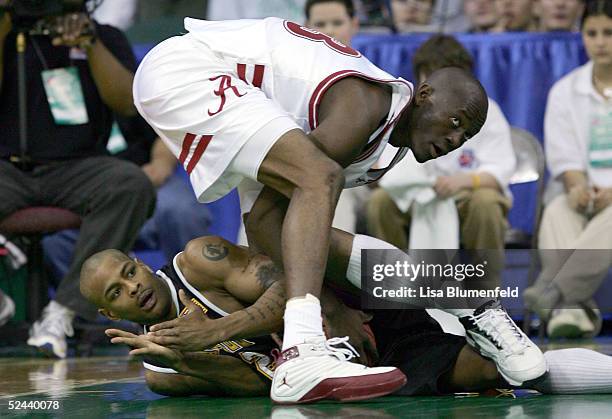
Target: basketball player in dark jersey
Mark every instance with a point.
(239, 300)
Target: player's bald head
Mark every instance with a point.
(95, 268)
(456, 85)
(449, 108)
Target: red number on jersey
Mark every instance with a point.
(316, 36)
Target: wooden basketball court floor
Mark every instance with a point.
(110, 385)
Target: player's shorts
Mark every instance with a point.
(415, 343)
(218, 125)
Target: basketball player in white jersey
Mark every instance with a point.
(305, 116)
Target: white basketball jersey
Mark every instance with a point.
(292, 65)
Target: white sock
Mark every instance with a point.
(353, 272)
(361, 242)
(576, 371)
(302, 320)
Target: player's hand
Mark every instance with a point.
(602, 199)
(142, 346)
(73, 29)
(578, 198)
(349, 322)
(447, 186)
(193, 331)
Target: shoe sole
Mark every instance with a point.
(540, 370)
(345, 390)
(45, 348)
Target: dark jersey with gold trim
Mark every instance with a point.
(255, 351)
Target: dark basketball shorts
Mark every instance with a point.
(416, 344)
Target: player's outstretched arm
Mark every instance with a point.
(199, 373)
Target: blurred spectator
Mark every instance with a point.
(335, 18)
(475, 175)
(65, 163)
(178, 217)
(578, 140)
(516, 16)
(559, 15)
(448, 16)
(412, 15)
(482, 15)
(256, 9)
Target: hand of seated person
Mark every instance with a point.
(447, 186)
(578, 198)
(602, 199)
(142, 346)
(193, 331)
(73, 29)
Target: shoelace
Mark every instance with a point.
(503, 330)
(57, 322)
(343, 354)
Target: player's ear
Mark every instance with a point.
(108, 314)
(423, 93)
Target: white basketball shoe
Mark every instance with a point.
(492, 332)
(317, 370)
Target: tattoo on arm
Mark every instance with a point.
(267, 274)
(214, 252)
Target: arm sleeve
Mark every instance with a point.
(563, 151)
(494, 151)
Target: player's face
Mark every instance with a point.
(559, 15)
(481, 13)
(438, 128)
(516, 14)
(333, 20)
(411, 11)
(129, 290)
(597, 37)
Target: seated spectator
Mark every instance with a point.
(412, 15)
(476, 175)
(482, 15)
(559, 15)
(178, 216)
(64, 163)
(516, 16)
(578, 140)
(335, 18)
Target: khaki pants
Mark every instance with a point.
(563, 228)
(482, 216)
(482, 219)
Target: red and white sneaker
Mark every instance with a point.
(317, 370)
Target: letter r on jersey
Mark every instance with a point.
(224, 84)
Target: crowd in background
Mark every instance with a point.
(108, 166)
